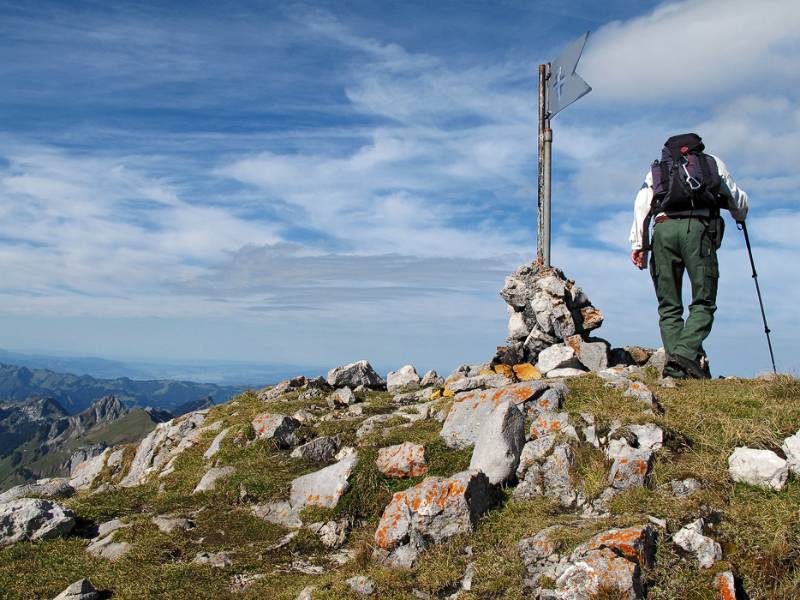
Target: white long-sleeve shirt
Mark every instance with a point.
(734, 199)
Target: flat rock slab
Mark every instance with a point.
(218, 560)
(470, 410)
(762, 468)
(216, 443)
(83, 475)
(324, 487)
(209, 480)
(108, 549)
(321, 449)
(403, 460)
(167, 524)
(33, 519)
(58, 487)
(279, 513)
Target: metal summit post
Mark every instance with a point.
(559, 86)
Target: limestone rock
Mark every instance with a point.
(631, 468)
(499, 444)
(405, 378)
(556, 357)
(341, 397)
(726, 586)
(762, 468)
(466, 384)
(278, 427)
(361, 585)
(791, 448)
(157, 452)
(639, 391)
(324, 487)
(279, 513)
(431, 378)
(433, 511)
(355, 374)
(321, 449)
(403, 460)
(82, 476)
(600, 570)
(80, 590)
(566, 372)
(657, 360)
(168, 524)
(517, 328)
(649, 436)
(58, 487)
(691, 539)
(284, 387)
(526, 372)
(592, 353)
(685, 487)
(26, 519)
(108, 549)
(370, 424)
(209, 480)
(218, 560)
(548, 422)
(331, 533)
(470, 410)
(306, 593)
(213, 449)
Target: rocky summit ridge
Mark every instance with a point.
(560, 468)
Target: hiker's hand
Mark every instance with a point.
(637, 257)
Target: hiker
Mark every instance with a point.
(683, 194)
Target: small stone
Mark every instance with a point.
(648, 436)
(278, 427)
(566, 372)
(691, 539)
(639, 355)
(209, 480)
(431, 378)
(108, 549)
(361, 585)
(639, 391)
(686, 487)
(218, 560)
(526, 372)
(726, 586)
(332, 534)
(403, 460)
(279, 513)
(167, 524)
(657, 360)
(80, 590)
(762, 468)
(405, 378)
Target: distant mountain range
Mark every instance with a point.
(38, 438)
(75, 393)
(227, 373)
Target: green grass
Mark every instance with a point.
(759, 530)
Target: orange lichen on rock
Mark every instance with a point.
(635, 543)
(726, 586)
(504, 370)
(526, 372)
(403, 460)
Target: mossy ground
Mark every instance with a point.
(759, 530)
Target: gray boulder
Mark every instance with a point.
(80, 590)
(320, 450)
(341, 397)
(431, 378)
(276, 427)
(499, 444)
(26, 519)
(557, 357)
(355, 374)
(691, 539)
(405, 378)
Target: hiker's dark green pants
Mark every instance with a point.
(684, 245)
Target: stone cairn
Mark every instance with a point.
(549, 322)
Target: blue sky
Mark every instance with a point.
(318, 182)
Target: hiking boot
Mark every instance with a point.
(688, 366)
(705, 366)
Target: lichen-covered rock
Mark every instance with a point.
(405, 378)
(547, 422)
(26, 519)
(762, 468)
(324, 487)
(685, 487)
(631, 468)
(470, 410)
(639, 391)
(354, 375)
(598, 571)
(499, 444)
(332, 534)
(726, 586)
(403, 460)
(485, 380)
(433, 511)
(278, 427)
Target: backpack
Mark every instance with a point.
(685, 178)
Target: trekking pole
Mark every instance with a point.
(743, 227)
